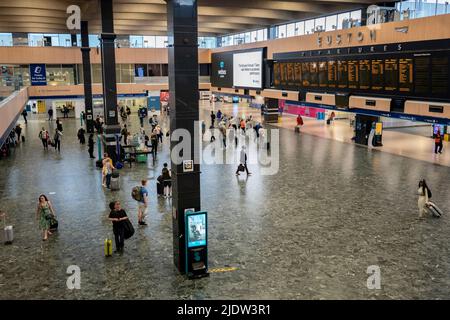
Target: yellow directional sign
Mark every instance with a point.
(228, 269)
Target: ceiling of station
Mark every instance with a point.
(148, 17)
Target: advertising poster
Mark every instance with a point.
(247, 69)
(196, 230)
(38, 75)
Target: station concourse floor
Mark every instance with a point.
(308, 232)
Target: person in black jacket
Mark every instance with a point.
(91, 146)
(117, 217)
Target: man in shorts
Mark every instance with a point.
(143, 204)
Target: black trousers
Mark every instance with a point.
(438, 147)
(245, 166)
(58, 145)
(91, 152)
(45, 143)
(119, 236)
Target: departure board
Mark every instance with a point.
(298, 73)
(353, 74)
(332, 74)
(290, 74)
(276, 74)
(405, 73)
(323, 74)
(283, 74)
(306, 76)
(390, 74)
(364, 74)
(377, 74)
(314, 74)
(439, 79)
(422, 75)
(342, 74)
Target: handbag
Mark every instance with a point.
(128, 229)
(241, 167)
(53, 223)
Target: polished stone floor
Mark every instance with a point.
(308, 232)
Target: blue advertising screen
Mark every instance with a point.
(196, 225)
(38, 75)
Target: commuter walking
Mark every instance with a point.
(118, 216)
(107, 170)
(242, 124)
(124, 134)
(142, 114)
(57, 140)
(243, 162)
(18, 131)
(143, 204)
(91, 146)
(424, 194)
(44, 136)
(438, 143)
(219, 115)
(50, 114)
(167, 181)
(44, 214)
(213, 118)
(203, 129)
(299, 123)
(212, 134)
(25, 115)
(59, 125)
(80, 135)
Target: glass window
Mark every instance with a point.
(165, 70)
(154, 70)
(442, 7)
(265, 34)
(161, 41)
(136, 41)
(65, 40)
(260, 35)
(320, 24)
(68, 74)
(94, 41)
(425, 8)
(408, 9)
(6, 40)
(331, 23)
(309, 26)
(290, 30)
(149, 42)
(126, 73)
(281, 31)
(97, 73)
(343, 21)
(300, 28)
(355, 17)
(253, 36)
(35, 39)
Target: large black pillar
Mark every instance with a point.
(184, 109)
(112, 126)
(85, 51)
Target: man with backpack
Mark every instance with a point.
(140, 194)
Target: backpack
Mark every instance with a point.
(429, 193)
(136, 193)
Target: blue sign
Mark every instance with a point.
(222, 64)
(38, 75)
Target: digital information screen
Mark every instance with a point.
(353, 74)
(406, 76)
(364, 74)
(222, 70)
(290, 74)
(377, 74)
(342, 71)
(422, 75)
(306, 76)
(332, 74)
(323, 76)
(196, 230)
(276, 74)
(390, 74)
(247, 69)
(439, 79)
(314, 74)
(298, 73)
(283, 74)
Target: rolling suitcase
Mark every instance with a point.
(23, 139)
(108, 247)
(434, 210)
(159, 189)
(115, 181)
(297, 129)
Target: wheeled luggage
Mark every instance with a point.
(23, 139)
(9, 234)
(53, 224)
(328, 121)
(160, 186)
(297, 129)
(115, 181)
(433, 210)
(108, 247)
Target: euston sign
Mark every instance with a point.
(340, 39)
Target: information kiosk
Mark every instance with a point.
(196, 231)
